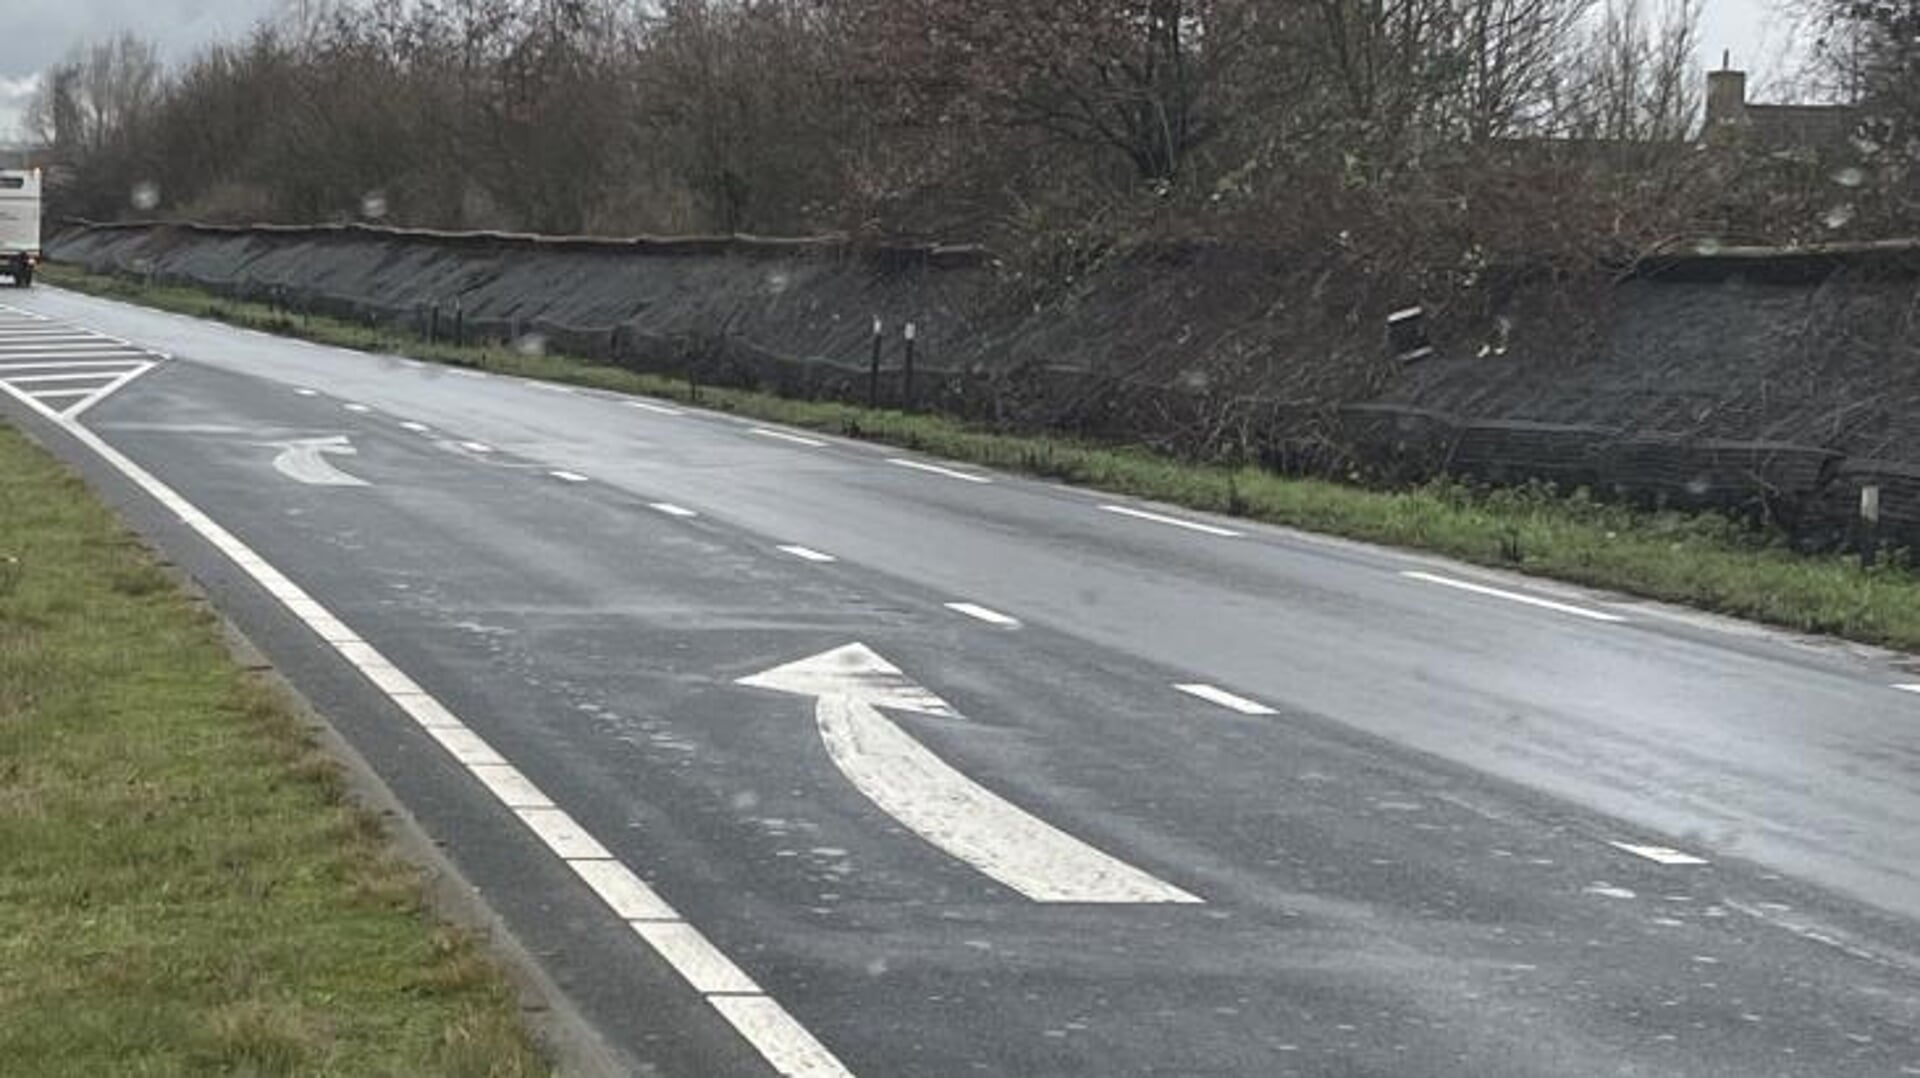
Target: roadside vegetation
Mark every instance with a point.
(1700, 560)
(185, 887)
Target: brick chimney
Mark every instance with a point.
(1726, 96)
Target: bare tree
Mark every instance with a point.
(1634, 79)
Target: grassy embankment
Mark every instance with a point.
(1700, 560)
(184, 886)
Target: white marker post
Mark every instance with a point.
(906, 391)
(1869, 525)
(873, 366)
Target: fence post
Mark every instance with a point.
(873, 367)
(906, 391)
(1869, 525)
(459, 323)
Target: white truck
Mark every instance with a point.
(19, 225)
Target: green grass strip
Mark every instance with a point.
(1701, 560)
(185, 887)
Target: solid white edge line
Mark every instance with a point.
(1213, 694)
(807, 553)
(1511, 596)
(796, 439)
(570, 477)
(1162, 518)
(1659, 855)
(672, 510)
(991, 617)
(760, 1019)
(950, 473)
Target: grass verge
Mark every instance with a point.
(184, 886)
(1697, 559)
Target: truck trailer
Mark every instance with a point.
(19, 225)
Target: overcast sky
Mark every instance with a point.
(34, 33)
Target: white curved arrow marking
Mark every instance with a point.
(302, 460)
(849, 685)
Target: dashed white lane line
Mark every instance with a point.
(766, 1025)
(1161, 518)
(1660, 855)
(570, 477)
(805, 553)
(360, 408)
(1512, 596)
(950, 473)
(471, 374)
(658, 409)
(305, 392)
(796, 439)
(549, 387)
(1216, 695)
(991, 617)
(417, 428)
(476, 447)
(1909, 688)
(673, 510)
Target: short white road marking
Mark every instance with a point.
(360, 408)
(550, 387)
(76, 376)
(1908, 688)
(39, 358)
(850, 687)
(1215, 695)
(991, 617)
(1512, 596)
(627, 893)
(417, 428)
(476, 447)
(950, 473)
(571, 477)
(694, 957)
(69, 364)
(659, 409)
(470, 374)
(673, 510)
(785, 437)
(808, 554)
(1660, 855)
(1161, 518)
(305, 392)
(772, 1031)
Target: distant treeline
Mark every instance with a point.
(1445, 143)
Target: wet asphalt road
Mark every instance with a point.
(1401, 790)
